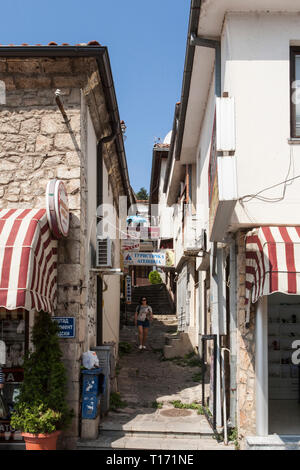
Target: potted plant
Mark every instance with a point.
(41, 411)
(155, 277)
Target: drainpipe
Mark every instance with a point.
(233, 331)
(216, 258)
(216, 277)
(99, 200)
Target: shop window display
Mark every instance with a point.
(13, 333)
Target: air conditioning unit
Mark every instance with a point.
(104, 252)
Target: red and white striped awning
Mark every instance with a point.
(272, 262)
(28, 260)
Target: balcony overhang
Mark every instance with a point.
(176, 176)
(192, 252)
(223, 198)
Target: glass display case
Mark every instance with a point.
(283, 329)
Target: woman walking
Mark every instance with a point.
(142, 318)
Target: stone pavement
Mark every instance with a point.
(146, 380)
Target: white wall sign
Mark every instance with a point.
(144, 259)
(57, 206)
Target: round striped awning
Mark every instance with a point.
(272, 262)
(28, 260)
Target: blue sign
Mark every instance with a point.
(66, 326)
(128, 289)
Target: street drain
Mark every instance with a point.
(174, 412)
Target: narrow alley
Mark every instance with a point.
(149, 232)
(160, 400)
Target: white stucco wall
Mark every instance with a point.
(256, 71)
(111, 286)
(92, 184)
(165, 212)
(202, 162)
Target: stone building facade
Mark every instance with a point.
(245, 376)
(38, 142)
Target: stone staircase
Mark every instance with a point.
(177, 345)
(158, 298)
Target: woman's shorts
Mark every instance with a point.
(144, 324)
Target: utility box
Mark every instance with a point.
(93, 383)
(105, 356)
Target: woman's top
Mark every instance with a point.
(144, 312)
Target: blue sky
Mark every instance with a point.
(146, 41)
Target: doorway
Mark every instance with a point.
(283, 374)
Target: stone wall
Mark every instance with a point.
(36, 145)
(246, 406)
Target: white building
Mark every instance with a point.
(161, 215)
(234, 160)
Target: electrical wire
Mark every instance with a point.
(287, 181)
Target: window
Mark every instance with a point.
(14, 332)
(295, 91)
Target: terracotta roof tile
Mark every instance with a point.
(53, 43)
(162, 146)
(94, 43)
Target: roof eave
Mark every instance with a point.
(102, 58)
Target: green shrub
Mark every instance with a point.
(116, 401)
(155, 277)
(124, 348)
(197, 377)
(41, 406)
(188, 406)
(157, 405)
(36, 419)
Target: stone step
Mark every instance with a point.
(167, 421)
(151, 300)
(12, 446)
(170, 341)
(273, 442)
(154, 443)
(169, 431)
(154, 434)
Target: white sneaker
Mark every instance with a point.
(140, 346)
(144, 347)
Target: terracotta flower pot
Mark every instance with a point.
(41, 441)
